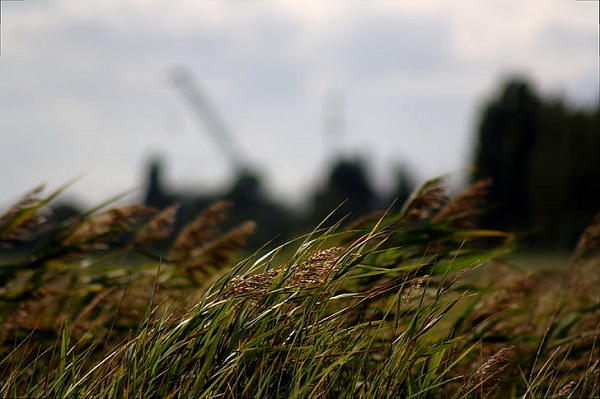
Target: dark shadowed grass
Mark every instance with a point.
(385, 308)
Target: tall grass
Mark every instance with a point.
(396, 305)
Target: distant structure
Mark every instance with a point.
(209, 117)
(348, 185)
(246, 192)
(155, 195)
(247, 188)
(274, 221)
(348, 181)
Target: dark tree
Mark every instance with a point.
(348, 183)
(543, 158)
(507, 133)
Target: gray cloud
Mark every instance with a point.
(383, 46)
(84, 88)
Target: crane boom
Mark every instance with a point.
(209, 117)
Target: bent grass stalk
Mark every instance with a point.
(382, 310)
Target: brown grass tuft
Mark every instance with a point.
(515, 293)
(492, 372)
(311, 272)
(426, 202)
(462, 210)
(315, 269)
(16, 226)
(366, 221)
(589, 242)
(566, 390)
(255, 285)
(159, 227)
(198, 231)
(96, 231)
(217, 253)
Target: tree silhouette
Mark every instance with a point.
(542, 157)
(348, 184)
(506, 137)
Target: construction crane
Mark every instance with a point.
(209, 117)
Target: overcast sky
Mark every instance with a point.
(85, 88)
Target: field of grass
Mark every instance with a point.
(415, 304)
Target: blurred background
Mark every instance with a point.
(288, 108)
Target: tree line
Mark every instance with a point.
(540, 152)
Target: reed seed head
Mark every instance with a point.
(12, 228)
(566, 391)
(315, 269)
(218, 253)
(589, 242)
(426, 202)
(488, 376)
(159, 227)
(462, 210)
(366, 221)
(255, 285)
(96, 231)
(198, 231)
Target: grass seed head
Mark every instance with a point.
(315, 269)
(158, 228)
(198, 231)
(490, 374)
(311, 272)
(366, 221)
(255, 285)
(589, 242)
(566, 390)
(218, 253)
(462, 210)
(414, 287)
(426, 202)
(13, 229)
(29, 199)
(96, 231)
